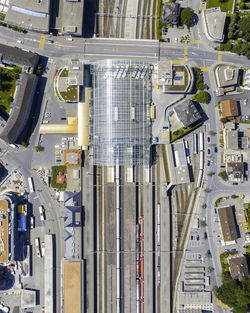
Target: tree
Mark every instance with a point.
(39, 148)
(25, 143)
(223, 120)
(187, 16)
(223, 175)
(39, 69)
(202, 223)
(201, 97)
(242, 6)
(203, 206)
(210, 269)
(210, 173)
(234, 196)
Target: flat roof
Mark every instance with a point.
(4, 239)
(72, 286)
(226, 75)
(214, 23)
(83, 120)
(29, 14)
(72, 17)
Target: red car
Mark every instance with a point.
(32, 222)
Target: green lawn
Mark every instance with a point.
(71, 94)
(225, 6)
(183, 131)
(8, 79)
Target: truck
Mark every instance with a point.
(37, 245)
(31, 184)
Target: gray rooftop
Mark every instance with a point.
(18, 56)
(187, 113)
(121, 128)
(214, 21)
(226, 75)
(72, 17)
(171, 13)
(21, 110)
(29, 14)
(76, 72)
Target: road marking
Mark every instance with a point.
(197, 41)
(41, 45)
(42, 38)
(219, 57)
(177, 61)
(218, 302)
(204, 68)
(185, 53)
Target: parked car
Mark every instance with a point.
(32, 222)
(198, 237)
(226, 250)
(233, 250)
(208, 139)
(208, 151)
(215, 149)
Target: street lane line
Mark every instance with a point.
(177, 61)
(185, 53)
(43, 38)
(41, 45)
(219, 57)
(204, 68)
(197, 41)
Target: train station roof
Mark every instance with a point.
(121, 126)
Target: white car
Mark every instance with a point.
(176, 39)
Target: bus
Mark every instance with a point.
(37, 245)
(31, 184)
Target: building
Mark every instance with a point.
(16, 56)
(7, 229)
(231, 139)
(21, 108)
(213, 24)
(72, 158)
(195, 302)
(228, 225)
(72, 223)
(238, 267)
(171, 13)
(31, 15)
(241, 217)
(72, 17)
(246, 80)
(187, 113)
(226, 76)
(121, 126)
(174, 78)
(229, 108)
(235, 171)
(73, 289)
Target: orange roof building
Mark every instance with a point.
(60, 178)
(229, 108)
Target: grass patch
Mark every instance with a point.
(65, 73)
(225, 6)
(2, 16)
(71, 94)
(54, 172)
(159, 24)
(8, 79)
(183, 131)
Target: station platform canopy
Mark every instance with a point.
(121, 124)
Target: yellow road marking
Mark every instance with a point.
(219, 57)
(205, 68)
(55, 95)
(225, 306)
(177, 61)
(42, 38)
(197, 41)
(218, 302)
(185, 53)
(41, 45)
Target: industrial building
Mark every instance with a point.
(213, 24)
(121, 125)
(72, 17)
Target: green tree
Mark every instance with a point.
(25, 143)
(39, 69)
(202, 223)
(201, 97)
(223, 175)
(210, 173)
(39, 148)
(223, 120)
(187, 16)
(242, 6)
(203, 206)
(234, 196)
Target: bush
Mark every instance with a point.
(223, 120)
(187, 16)
(217, 201)
(223, 175)
(201, 97)
(39, 148)
(25, 143)
(234, 196)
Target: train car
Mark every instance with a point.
(195, 143)
(31, 184)
(199, 178)
(37, 245)
(201, 141)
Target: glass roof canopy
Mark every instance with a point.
(121, 125)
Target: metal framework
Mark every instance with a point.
(121, 125)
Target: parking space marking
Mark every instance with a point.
(204, 68)
(219, 57)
